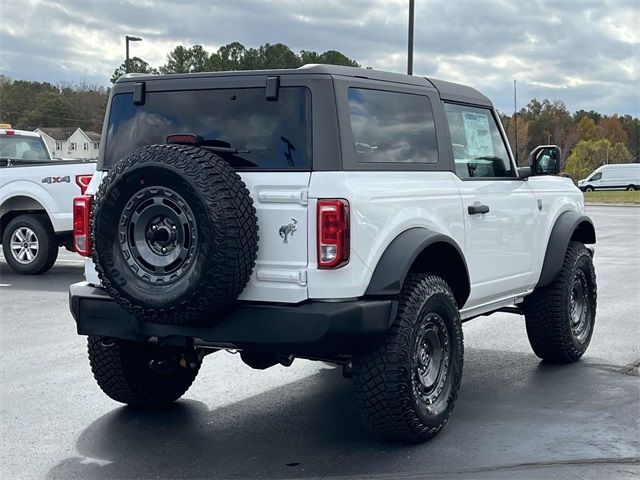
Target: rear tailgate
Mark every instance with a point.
(269, 143)
(280, 274)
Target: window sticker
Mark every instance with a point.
(478, 134)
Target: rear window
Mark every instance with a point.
(277, 134)
(392, 127)
(18, 147)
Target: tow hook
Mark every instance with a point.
(347, 369)
(191, 359)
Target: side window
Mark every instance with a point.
(392, 127)
(478, 148)
(597, 176)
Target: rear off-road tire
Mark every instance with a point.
(560, 317)
(142, 374)
(407, 385)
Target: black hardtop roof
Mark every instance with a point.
(448, 90)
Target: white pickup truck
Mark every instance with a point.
(36, 198)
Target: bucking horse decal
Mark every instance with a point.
(287, 230)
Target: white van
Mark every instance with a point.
(611, 177)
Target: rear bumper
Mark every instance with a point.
(312, 329)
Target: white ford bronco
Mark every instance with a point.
(329, 213)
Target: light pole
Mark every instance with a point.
(128, 39)
(410, 40)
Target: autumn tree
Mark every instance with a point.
(611, 128)
(591, 154)
(631, 126)
(587, 128)
(550, 122)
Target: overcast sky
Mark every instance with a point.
(585, 53)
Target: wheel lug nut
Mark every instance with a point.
(154, 227)
(164, 249)
(173, 227)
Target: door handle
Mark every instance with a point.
(476, 209)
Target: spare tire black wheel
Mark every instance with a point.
(174, 234)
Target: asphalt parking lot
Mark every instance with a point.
(515, 416)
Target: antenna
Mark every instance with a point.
(410, 40)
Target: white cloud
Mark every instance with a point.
(583, 52)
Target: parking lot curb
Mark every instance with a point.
(612, 204)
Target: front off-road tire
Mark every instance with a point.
(174, 234)
(29, 244)
(142, 374)
(407, 385)
(560, 316)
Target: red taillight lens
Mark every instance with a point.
(83, 182)
(333, 233)
(81, 211)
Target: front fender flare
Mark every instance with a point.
(568, 225)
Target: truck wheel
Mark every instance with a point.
(29, 244)
(631, 188)
(175, 234)
(407, 385)
(142, 374)
(560, 316)
(588, 188)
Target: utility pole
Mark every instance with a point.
(128, 39)
(515, 119)
(410, 40)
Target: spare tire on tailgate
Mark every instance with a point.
(174, 234)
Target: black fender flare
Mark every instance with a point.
(569, 225)
(396, 261)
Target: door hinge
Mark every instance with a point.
(296, 196)
(284, 276)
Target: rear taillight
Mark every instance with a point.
(333, 233)
(83, 182)
(81, 211)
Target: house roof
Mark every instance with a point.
(58, 133)
(63, 133)
(95, 137)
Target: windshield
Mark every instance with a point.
(256, 132)
(18, 147)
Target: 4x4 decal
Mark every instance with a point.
(65, 179)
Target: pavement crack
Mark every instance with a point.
(632, 368)
(559, 463)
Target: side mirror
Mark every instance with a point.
(545, 160)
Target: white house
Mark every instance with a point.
(67, 142)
